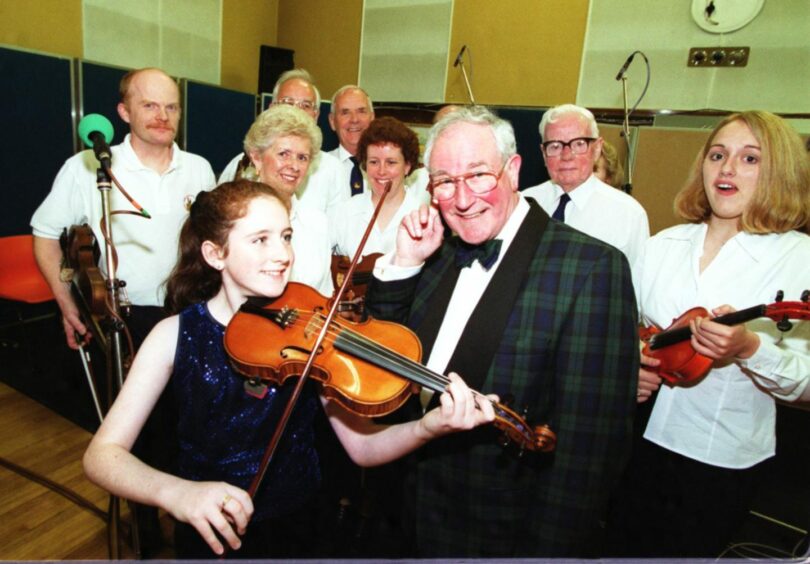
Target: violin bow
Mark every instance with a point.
(299, 387)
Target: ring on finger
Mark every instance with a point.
(225, 501)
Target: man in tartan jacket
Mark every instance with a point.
(549, 322)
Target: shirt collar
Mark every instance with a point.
(510, 228)
(132, 162)
(342, 154)
(579, 195)
(754, 245)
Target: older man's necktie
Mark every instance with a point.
(356, 178)
(559, 213)
(485, 253)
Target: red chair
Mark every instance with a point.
(21, 281)
(20, 278)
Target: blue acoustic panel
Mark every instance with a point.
(330, 139)
(525, 122)
(216, 122)
(39, 133)
(100, 95)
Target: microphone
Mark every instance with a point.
(626, 65)
(96, 131)
(460, 53)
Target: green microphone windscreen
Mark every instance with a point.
(95, 122)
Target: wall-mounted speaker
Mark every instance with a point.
(273, 61)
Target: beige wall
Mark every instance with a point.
(52, 26)
(246, 25)
(524, 52)
(325, 35)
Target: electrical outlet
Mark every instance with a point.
(718, 57)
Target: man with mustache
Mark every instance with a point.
(164, 180)
(156, 173)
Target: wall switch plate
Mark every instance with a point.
(718, 56)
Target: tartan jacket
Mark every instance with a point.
(567, 350)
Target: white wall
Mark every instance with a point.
(777, 77)
(180, 36)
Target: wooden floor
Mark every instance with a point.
(38, 523)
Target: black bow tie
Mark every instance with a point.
(485, 253)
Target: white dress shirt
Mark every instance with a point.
(310, 242)
(471, 285)
(147, 248)
(599, 210)
(727, 419)
(344, 159)
(319, 190)
(348, 221)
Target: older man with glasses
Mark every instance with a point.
(574, 195)
(526, 308)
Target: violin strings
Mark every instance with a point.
(410, 369)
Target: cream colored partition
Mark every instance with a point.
(664, 158)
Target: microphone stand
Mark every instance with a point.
(467, 82)
(628, 187)
(115, 364)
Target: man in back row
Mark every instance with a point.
(351, 114)
(322, 188)
(153, 169)
(571, 146)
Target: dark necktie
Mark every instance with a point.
(356, 178)
(559, 213)
(485, 253)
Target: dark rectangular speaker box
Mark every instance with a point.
(273, 61)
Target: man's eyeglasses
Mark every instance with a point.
(306, 105)
(578, 146)
(444, 187)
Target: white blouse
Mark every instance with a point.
(348, 220)
(728, 418)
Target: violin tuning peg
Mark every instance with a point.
(805, 296)
(780, 295)
(784, 324)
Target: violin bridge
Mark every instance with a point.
(314, 325)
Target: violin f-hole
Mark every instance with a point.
(292, 352)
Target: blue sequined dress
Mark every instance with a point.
(223, 431)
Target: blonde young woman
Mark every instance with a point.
(747, 209)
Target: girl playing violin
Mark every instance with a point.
(747, 205)
(236, 244)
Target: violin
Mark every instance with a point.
(370, 368)
(681, 364)
(352, 305)
(81, 253)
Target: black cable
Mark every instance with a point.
(57, 488)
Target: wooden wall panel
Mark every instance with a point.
(664, 158)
